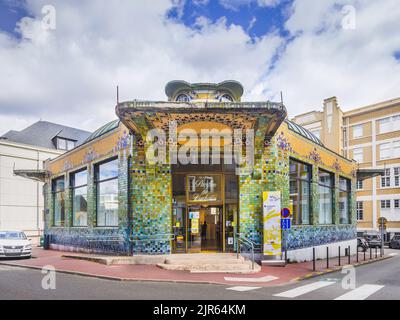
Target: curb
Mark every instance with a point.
(338, 268)
(104, 277)
(91, 275)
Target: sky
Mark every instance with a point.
(61, 60)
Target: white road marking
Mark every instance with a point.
(361, 293)
(261, 279)
(393, 254)
(241, 289)
(293, 293)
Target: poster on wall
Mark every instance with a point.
(272, 223)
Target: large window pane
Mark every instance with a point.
(107, 193)
(325, 197)
(344, 200)
(79, 198)
(108, 170)
(300, 178)
(80, 207)
(58, 202)
(107, 203)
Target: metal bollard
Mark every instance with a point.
(365, 250)
(327, 257)
(357, 253)
(339, 255)
(348, 252)
(370, 253)
(376, 252)
(313, 257)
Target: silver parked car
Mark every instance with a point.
(14, 244)
(395, 242)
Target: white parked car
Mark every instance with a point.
(14, 244)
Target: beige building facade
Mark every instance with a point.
(371, 136)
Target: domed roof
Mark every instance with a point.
(102, 130)
(232, 86)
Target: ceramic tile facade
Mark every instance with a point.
(145, 196)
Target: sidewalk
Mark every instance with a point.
(268, 276)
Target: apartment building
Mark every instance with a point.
(21, 200)
(371, 136)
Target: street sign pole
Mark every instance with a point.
(382, 234)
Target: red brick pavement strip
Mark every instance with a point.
(290, 273)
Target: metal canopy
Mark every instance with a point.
(363, 174)
(36, 175)
(142, 116)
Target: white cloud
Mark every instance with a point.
(326, 60)
(70, 75)
(236, 4)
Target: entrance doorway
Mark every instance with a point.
(205, 228)
(204, 209)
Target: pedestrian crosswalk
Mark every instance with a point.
(296, 292)
(362, 292)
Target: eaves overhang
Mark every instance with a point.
(142, 116)
(36, 175)
(363, 174)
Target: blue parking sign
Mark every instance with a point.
(285, 224)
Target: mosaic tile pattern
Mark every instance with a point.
(145, 201)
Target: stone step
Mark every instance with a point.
(204, 261)
(243, 267)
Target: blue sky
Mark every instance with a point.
(255, 19)
(304, 48)
(10, 13)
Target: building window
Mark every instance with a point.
(357, 131)
(389, 124)
(385, 180)
(325, 184)
(358, 154)
(226, 98)
(65, 144)
(360, 210)
(182, 98)
(397, 203)
(300, 181)
(396, 172)
(385, 204)
(58, 190)
(360, 184)
(385, 125)
(344, 200)
(79, 198)
(106, 174)
(385, 151)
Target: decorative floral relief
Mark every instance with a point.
(336, 165)
(354, 173)
(314, 155)
(123, 142)
(90, 155)
(67, 165)
(283, 143)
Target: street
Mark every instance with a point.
(378, 280)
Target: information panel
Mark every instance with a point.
(272, 223)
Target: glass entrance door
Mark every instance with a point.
(205, 228)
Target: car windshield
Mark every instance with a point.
(11, 235)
